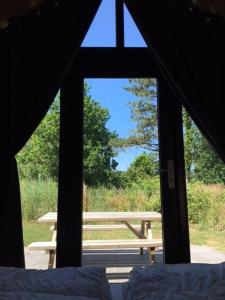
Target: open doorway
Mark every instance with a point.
(122, 207)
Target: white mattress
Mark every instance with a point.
(85, 283)
(177, 282)
(161, 282)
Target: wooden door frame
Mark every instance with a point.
(119, 63)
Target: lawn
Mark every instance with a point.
(198, 235)
(207, 237)
(34, 232)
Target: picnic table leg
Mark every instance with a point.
(140, 234)
(151, 252)
(141, 251)
(51, 259)
(52, 253)
(149, 230)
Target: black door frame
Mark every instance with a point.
(119, 63)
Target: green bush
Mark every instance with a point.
(198, 203)
(139, 196)
(216, 212)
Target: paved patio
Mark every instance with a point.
(119, 263)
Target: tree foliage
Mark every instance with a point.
(208, 167)
(201, 162)
(144, 114)
(190, 147)
(39, 157)
(143, 167)
(98, 163)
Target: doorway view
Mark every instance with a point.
(121, 192)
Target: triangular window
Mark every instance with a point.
(102, 32)
(104, 29)
(133, 37)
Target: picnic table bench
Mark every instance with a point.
(145, 240)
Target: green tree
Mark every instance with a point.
(190, 147)
(208, 167)
(144, 114)
(98, 163)
(201, 162)
(143, 167)
(39, 157)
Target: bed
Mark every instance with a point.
(161, 282)
(85, 283)
(176, 282)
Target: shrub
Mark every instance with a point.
(140, 196)
(198, 203)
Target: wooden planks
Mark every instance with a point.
(151, 245)
(101, 244)
(51, 217)
(108, 227)
(131, 243)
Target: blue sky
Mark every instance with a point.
(102, 30)
(110, 93)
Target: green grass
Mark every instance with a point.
(198, 235)
(34, 232)
(204, 236)
(119, 234)
(206, 209)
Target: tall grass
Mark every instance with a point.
(37, 197)
(140, 196)
(206, 203)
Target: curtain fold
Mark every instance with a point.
(189, 48)
(36, 54)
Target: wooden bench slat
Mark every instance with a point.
(102, 244)
(108, 227)
(106, 244)
(93, 227)
(49, 245)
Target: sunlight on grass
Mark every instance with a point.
(198, 235)
(202, 236)
(34, 232)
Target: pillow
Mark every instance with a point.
(82, 281)
(178, 282)
(39, 296)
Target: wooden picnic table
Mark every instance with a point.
(51, 217)
(143, 231)
(121, 217)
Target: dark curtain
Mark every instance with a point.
(189, 48)
(36, 53)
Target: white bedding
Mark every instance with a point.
(177, 282)
(39, 296)
(59, 284)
